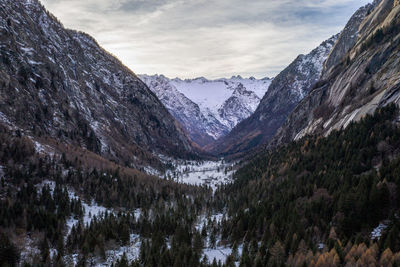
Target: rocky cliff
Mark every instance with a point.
(367, 77)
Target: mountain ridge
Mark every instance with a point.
(60, 83)
(286, 90)
(366, 79)
(208, 109)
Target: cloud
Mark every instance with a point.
(211, 38)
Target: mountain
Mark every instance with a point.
(326, 194)
(367, 77)
(183, 109)
(208, 109)
(61, 85)
(284, 93)
(316, 196)
(348, 36)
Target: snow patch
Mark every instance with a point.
(91, 210)
(32, 62)
(377, 232)
(219, 254)
(211, 173)
(42, 149)
(132, 252)
(4, 118)
(27, 50)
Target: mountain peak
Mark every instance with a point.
(209, 109)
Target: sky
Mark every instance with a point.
(208, 38)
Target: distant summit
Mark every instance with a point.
(208, 109)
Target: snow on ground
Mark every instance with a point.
(29, 249)
(90, 210)
(4, 118)
(93, 209)
(137, 213)
(41, 148)
(132, 252)
(211, 173)
(203, 219)
(377, 232)
(219, 253)
(217, 217)
(260, 87)
(50, 184)
(151, 171)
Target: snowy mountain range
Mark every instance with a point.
(287, 89)
(208, 109)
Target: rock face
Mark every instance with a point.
(61, 84)
(367, 77)
(239, 106)
(347, 38)
(285, 92)
(208, 109)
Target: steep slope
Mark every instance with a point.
(239, 106)
(183, 109)
(61, 84)
(368, 77)
(320, 193)
(348, 36)
(285, 92)
(208, 109)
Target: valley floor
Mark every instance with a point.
(210, 173)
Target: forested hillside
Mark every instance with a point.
(78, 129)
(43, 221)
(315, 202)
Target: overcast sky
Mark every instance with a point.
(210, 38)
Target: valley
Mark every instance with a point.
(100, 166)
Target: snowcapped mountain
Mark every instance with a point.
(208, 109)
(59, 84)
(285, 92)
(239, 106)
